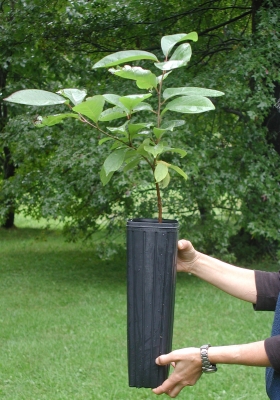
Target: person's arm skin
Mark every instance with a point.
(187, 363)
(238, 282)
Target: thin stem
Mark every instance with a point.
(130, 145)
(159, 100)
(84, 120)
(159, 203)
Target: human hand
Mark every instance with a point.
(187, 370)
(187, 256)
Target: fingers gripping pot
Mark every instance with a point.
(151, 280)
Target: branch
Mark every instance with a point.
(225, 23)
(236, 112)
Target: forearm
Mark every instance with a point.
(188, 364)
(251, 354)
(238, 282)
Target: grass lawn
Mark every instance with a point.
(63, 325)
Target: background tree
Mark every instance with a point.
(233, 162)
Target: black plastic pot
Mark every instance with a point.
(151, 280)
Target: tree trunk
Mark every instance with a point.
(7, 163)
(272, 120)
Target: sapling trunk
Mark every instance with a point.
(159, 203)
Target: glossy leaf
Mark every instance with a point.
(119, 129)
(190, 91)
(116, 143)
(112, 113)
(190, 105)
(122, 57)
(143, 107)
(131, 101)
(105, 178)
(35, 97)
(114, 161)
(163, 76)
(104, 140)
(154, 150)
(179, 59)
(169, 126)
(158, 132)
(132, 164)
(165, 182)
(161, 171)
(76, 96)
(92, 108)
(56, 119)
(135, 128)
(115, 100)
(179, 170)
(141, 149)
(169, 41)
(144, 78)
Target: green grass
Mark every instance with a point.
(63, 325)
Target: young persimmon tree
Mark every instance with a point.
(147, 132)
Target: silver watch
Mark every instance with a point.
(206, 365)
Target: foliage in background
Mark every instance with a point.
(234, 177)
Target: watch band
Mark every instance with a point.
(206, 365)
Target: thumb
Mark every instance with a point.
(184, 244)
(163, 359)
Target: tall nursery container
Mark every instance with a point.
(151, 280)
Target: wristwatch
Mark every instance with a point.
(206, 365)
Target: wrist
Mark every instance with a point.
(207, 365)
(197, 262)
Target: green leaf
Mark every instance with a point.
(144, 78)
(115, 100)
(119, 129)
(190, 105)
(141, 149)
(161, 171)
(114, 161)
(131, 101)
(154, 150)
(122, 57)
(131, 153)
(35, 97)
(190, 91)
(163, 77)
(116, 143)
(143, 107)
(179, 59)
(133, 129)
(165, 182)
(170, 125)
(91, 108)
(106, 139)
(179, 170)
(74, 95)
(169, 41)
(182, 152)
(105, 178)
(55, 119)
(159, 132)
(112, 113)
(132, 164)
